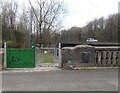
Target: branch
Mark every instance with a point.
(34, 11)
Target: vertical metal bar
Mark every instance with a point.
(5, 52)
(50, 55)
(40, 54)
(46, 57)
(59, 63)
(54, 54)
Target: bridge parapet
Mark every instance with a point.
(90, 56)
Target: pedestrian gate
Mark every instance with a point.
(47, 56)
(20, 58)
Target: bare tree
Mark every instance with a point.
(48, 16)
(9, 10)
(0, 29)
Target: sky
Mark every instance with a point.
(82, 11)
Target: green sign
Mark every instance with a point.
(33, 44)
(20, 58)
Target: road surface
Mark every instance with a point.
(64, 80)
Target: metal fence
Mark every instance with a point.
(47, 56)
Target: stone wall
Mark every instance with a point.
(89, 56)
(1, 60)
(80, 55)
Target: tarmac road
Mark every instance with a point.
(63, 80)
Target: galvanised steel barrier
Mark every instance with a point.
(47, 56)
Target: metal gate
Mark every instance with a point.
(20, 58)
(47, 56)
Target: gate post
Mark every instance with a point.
(5, 51)
(33, 47)
(59, 63)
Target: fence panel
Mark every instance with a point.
(20, 58)
(47, 56)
